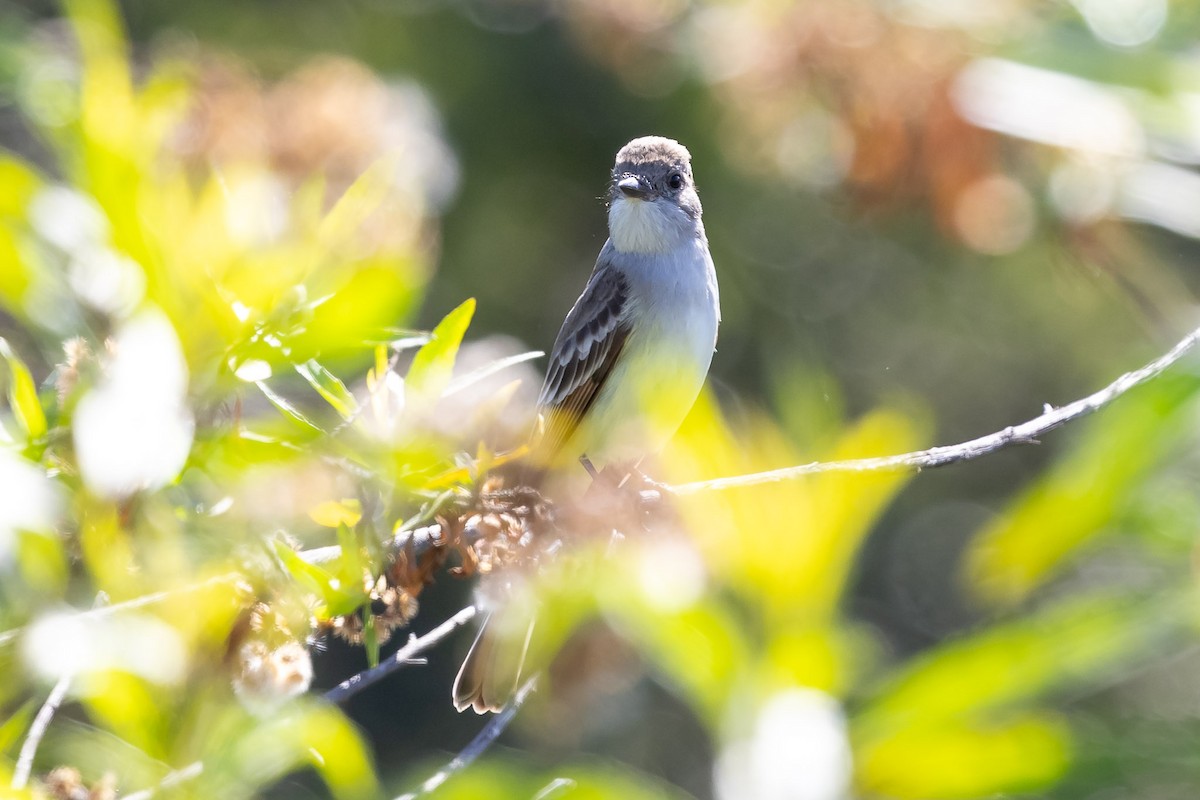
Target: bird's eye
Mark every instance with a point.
(675, 181)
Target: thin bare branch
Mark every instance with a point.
(1025, 433)
(477, 746)
(37, 730)
(415, 646)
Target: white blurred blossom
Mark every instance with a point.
(133, 430)
(30, 502)
(67, 219)
(1048, 107)
(107, 280)
(1124, 23)
(672, 574)
(798, 750)
(256, 208)
(69, 644)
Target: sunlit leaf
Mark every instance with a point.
(360, 311)
(333, 513)
(433, 364)
(330, 388)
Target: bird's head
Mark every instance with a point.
(653, 204)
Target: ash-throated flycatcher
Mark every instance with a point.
(629, 359)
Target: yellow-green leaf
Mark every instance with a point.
(965, 760)
(22, 394)
(433, 364)
(333, 513)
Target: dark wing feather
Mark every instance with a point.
(587, 347)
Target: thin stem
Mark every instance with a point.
(1025, 433)
(37, 730)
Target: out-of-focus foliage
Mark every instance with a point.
(217, 247)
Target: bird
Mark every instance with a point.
(627, 365)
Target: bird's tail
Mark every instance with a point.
(491, 672)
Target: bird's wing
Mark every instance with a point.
(588, 345)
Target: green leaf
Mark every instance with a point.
(22, 394)
(433, 364)
(330, 388)
(370, 637)
(337, 596)
(286, 407)
(361, 310)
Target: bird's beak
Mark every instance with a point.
(634, 187)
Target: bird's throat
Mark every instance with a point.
(643, 226)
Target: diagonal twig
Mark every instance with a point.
(37, 730)
(477, 746)
(415, 646)
(1026, 432)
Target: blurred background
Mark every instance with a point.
(929, 219)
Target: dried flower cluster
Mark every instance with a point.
(65, 783)
(270, 664)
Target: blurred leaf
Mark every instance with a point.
(700, 648)
(127, 706)
(360, 311)
(329, 387)
(806, 533)
(16, 727)
(338, 596)
(22, 394)
(20, 182)
(503, 780)
(313, 734)
(1075, 642)
(335, 513)
(433, 364)
(45, 565)
(359, 202)
(14, 274)
(1082, 493)
(1020, 754)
